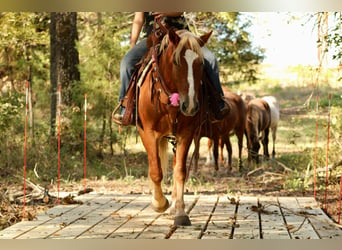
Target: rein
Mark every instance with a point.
(171, 96)
(155, 55)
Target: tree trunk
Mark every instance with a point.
(111, 135)
(53, 75)
(64, 60)
(30, 105)
(100, 153)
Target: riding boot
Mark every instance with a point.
(218, 106)
(119, 116)
(224, 108)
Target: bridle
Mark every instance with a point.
(159, 33)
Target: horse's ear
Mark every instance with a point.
(173, 37)
(204, 38)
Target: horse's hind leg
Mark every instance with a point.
(196, 153)
(209, 155)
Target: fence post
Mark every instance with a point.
(26, 111)
(85, 140)
(326, 172)
(316, 148)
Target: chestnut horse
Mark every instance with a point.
(168, 106)
(258, 122)
(221, 131)
(275, 114)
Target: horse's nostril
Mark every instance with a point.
(184, 106)
(196, 108)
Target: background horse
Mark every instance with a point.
(258, 122)
(177, 72)
(220, 132)
(274, 108)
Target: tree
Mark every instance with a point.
(103, 42)
(63, 60)
(230, 42)
(23, 49)
(334, 38)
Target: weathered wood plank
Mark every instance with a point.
(319, 220)
(56, 224)
(220, 225)
(199, 217)
(86, 222)
(247, 221)
(161, 227)
(272, 222)
(297, 227)
(25, 226)
(110, 224)
(137, 224)
(212, 216)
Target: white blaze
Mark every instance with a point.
(190, 57)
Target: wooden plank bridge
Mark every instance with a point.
(119, 216)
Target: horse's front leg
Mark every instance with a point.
(159, 202)
(179, 176)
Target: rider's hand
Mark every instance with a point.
(164, 14)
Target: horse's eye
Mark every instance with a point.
(175, 62)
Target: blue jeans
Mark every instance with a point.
(134, 55)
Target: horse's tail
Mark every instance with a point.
(164, 157)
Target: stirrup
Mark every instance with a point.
(115, 117)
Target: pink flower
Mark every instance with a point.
(174, 99)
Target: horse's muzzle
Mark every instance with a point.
(189, 110)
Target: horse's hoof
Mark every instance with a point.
(161, 209)
(182, 220)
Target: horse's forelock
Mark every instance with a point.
(186, 37)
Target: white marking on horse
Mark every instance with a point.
(190, 57)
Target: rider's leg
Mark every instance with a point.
(211, 67)
(127, 66)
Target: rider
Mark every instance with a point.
(144, 21)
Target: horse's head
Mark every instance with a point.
(254, 145)
(181, 65)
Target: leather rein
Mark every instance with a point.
(158, 33)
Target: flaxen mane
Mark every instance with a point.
(186, 38)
